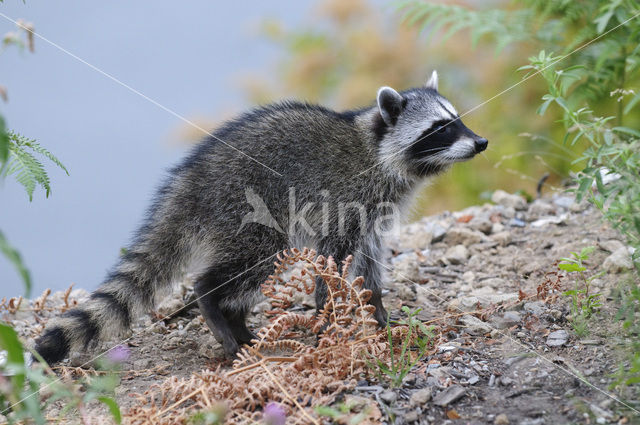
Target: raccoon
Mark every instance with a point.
(308, 176)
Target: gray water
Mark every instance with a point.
(185, 55)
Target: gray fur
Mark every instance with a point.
(201, 220)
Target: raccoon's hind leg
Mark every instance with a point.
(225, 294)
(218, 324)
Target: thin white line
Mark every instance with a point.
(511, 338)
(159, 105)
(143, 329)
(503, 91)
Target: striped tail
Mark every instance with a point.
(147, 269)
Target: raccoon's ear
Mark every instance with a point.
(390, 104)
(432, 83)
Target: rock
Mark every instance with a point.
(505, 199)
(468, 303)
(501, 419)
(540, 208)
(489, 299)
(544, 221)
(475, 325)
(564, 201)
(468, 276)
(464, 236)
(557, 338)
(406, 292)
(556, 314)
(437, 230)
(142, 364)
(611, 245)
(483, 225)
(411, 416)
(530, 265)
(389, 396)
(449, 395)
(535, 307)
(497, 228)
(414, 236)
(516, 222)
(508, 319)
(619, 261)
(495, 282)
(456, 254)
(420, 397)
(406, 267)
(503, 238)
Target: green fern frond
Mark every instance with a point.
(36, 147)
(25, 167)
(14, 257)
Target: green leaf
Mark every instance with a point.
(15, 360)
(15, 258)
(571, 267)
(600, 183)
(113, 407)
(627, 130)
(327, 411)
(4, 143)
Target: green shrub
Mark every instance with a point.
(592, 82)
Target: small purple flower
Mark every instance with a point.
(274, 414)
(119, 354)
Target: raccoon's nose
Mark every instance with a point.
(481, 144)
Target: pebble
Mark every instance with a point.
(539, 208)
(505, 199)
(516, 222)
(475, 325)
(406, 267)
(405, 292)
(557, 338)
(619, 261)
(535, 307)
(564, 201)
(415, 236)
(503, 238)
(611, 245)
(389, 396)
(420, 397)
(464, 236)
(483, 225)
(541, 222)
(456, 254)
(449, 395)
(501, 419)
(508, 319)
(411, 416)
(142, 364)
(438, 231)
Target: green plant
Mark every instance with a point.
(592, 86)
(629, 296)
(26, 390)
(583, 303)
(349, 412)
(417, 338)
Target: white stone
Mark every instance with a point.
(503, 198)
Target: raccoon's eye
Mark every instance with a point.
(442, 129)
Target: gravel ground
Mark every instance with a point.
(509, 357)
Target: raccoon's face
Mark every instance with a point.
(421, 131)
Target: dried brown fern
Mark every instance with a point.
(327, 357)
